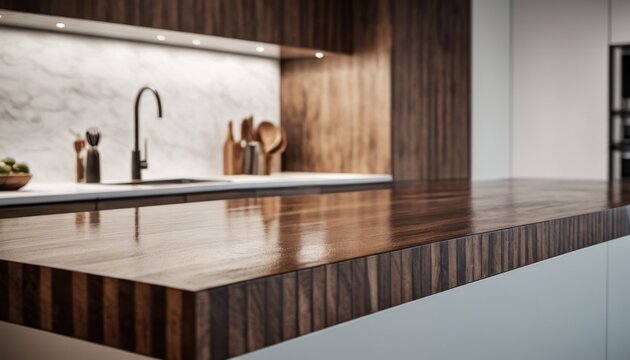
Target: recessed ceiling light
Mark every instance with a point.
(260, 48)
(319, 55)
(161, 37)
(196, 42)
(60, 25)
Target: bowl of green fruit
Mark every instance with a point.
(13, 175)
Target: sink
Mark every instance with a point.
(168, 182)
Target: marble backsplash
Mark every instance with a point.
(51, 83)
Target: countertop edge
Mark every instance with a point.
(148, 191)
(283, 306)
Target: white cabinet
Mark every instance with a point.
(619, 299)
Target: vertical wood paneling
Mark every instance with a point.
(396, 278)
(4, 291)
(360, 290)
(305, 304)
(332, 294)
(430, 89)
(372, 274)
(384, 279)
(126, 315)
(62, 302)
(256, 314)
(79, 305)
(237, 312)
(219, 344)
(142, 314)
(337, 110)
(95, 309)
(15, 292)
(344, 300)
(45, 298)
(407, 277)
(111, 335)
(30, 298)
(319, 298)
(203, 325)
(273, 331)
(174, 303)
(188, 321)
(289, 306)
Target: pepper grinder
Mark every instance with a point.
(79, 145)
(93, 161)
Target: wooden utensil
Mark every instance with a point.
(277, 151)
(79, 145)
(247, 129)
(228, 151)
(270, 136)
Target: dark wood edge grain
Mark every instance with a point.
(146, 319)
(235, 319)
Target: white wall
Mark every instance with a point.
(620, 21)
(52, 82)
(560, 86)
(491, 89)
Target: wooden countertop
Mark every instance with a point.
(203, 245)
(221, 278)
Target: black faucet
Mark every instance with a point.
(136, 163)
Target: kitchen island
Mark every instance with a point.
(222, 278)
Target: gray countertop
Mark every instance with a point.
(42, 192)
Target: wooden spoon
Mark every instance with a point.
(270, 136)
(279, 150)
(283, 145)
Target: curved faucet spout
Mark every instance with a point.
(136, 163)
(137, 111)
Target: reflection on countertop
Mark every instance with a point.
(41, 192)
(203, 245)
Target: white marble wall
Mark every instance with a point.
(51, 82)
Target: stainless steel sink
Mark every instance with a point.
(169, 182)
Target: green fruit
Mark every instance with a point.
(9, 161)
(5, 169)
(21, 168)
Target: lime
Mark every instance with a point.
(5, 169)
(21, 168)
(8, 161)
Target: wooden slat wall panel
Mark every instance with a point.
(315, 24)
(232, 320)
(430, 89)
(337, 110)
(119, 313)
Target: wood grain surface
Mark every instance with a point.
(218, 279)
(196, 246)
(337, 110)
(431, 89)
(314, 24)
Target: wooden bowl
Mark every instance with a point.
(14, 181)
